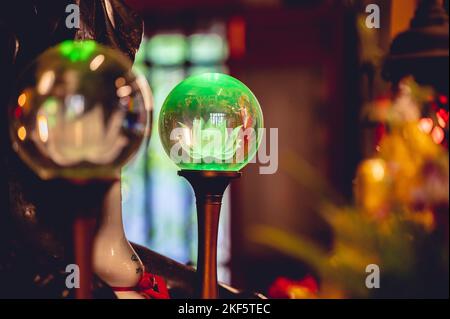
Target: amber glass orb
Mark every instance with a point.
(211, 121)
(79, 112)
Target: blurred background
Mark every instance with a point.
(313, 65)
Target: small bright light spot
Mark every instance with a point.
(437, 135)
(377, 170)
(440, 120)
(124, 91)
(96, 62)
(426, 125)
(443, 99)
(120, 82)
(42, 128)
(22, 99)
(22, 133)
(75, 105)
(45, 82)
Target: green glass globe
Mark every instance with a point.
(80, 112)
(211, 121)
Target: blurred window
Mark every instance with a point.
(158, 205)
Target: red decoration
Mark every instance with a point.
(151, 286)
(285, 288)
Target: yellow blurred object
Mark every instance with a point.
(406, 150)
(330, 290)
(372, 187)
(420, 143)
(298, 292)
(394, 150)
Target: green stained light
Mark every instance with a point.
(207, 48)
(77, 50)
(167, 49)
(211, 121)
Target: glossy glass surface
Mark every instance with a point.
(211, 121)
(80, 112)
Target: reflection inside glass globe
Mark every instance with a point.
(211, 121)
(80, 112)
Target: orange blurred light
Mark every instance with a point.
(120, 82)
(22, 133)
(22, 99)
(377, 170)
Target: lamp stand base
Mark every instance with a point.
(209, 187)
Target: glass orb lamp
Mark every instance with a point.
(211, 122)
(210, 125)
(79, 115)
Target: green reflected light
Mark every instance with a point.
(77, 50)
(167, 49)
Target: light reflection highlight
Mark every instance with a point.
(42, 128)
(96, 62)
(22, 133)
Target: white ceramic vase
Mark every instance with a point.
(115, 261)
